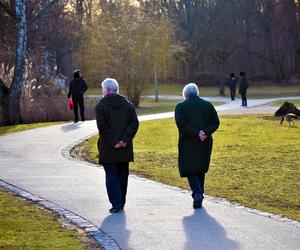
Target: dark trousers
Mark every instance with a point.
(244, 99)
(232, 93)
(78, 100)
(197, 183)
(116, 183)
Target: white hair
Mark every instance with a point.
(111, 84)
(190, 90)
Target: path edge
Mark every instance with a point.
(66, 153)
(105, 241)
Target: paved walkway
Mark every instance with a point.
(156, 216)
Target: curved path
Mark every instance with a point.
(156, 216)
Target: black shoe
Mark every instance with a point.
(198, 198)
(115, 210)
(197, 206)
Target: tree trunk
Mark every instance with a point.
(155, 85)
(3, 103)
(17, 82)
(47, 65)
(222, 82)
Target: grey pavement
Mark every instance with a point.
(156, 216)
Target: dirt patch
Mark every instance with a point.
(79, 152)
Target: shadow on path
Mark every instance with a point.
(70, 126)
(116, 224)
(204, 232)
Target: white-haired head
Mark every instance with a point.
(110, 85)
(190, 90)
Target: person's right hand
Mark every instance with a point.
(202, 135)
(120, 144)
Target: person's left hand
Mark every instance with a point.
(121, 144)
(202, 135)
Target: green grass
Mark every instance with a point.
(253, 91)
(164, 89)
(21, 127)
(26, 226)
(255, 161)
(296, 102)
(149, 106)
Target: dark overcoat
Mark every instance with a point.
(193, 115)
(243, 85)
(116, 121)
(77, 88)
(232, 83)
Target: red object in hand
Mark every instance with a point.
(70, 103)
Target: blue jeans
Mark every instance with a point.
(116, 183)
(197, 183)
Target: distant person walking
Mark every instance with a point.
(117, 124)
(76, 90)
(232, 86)
(196, 120)
(243, 88)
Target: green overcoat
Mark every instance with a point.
(193, 115)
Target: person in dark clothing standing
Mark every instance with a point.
(76, 91)
(232, 86)
(243, 88)
(196, 120)
(117, 124)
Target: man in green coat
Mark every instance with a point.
(117, 124)
(196, 120)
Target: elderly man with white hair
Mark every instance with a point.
(117, 124)
(196, 120)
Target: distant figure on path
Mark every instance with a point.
(243, 88)
(196, 120)
(76, 91)
(232, 86)
(117, 124)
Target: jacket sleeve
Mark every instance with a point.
(105, 131)
(131, 127)
(70, 89)
(184, 127)
(214, 121)
(85, 87)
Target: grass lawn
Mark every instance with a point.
(26, 226)
(255, 161)
(296, 102)
(20, 127)
(253, 91)
(149, 106)
(165, 89)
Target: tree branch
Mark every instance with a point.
(8, 11)
(42, 12)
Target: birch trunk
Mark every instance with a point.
(17, 82)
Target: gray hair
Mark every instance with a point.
(190, 90)
(111, 84)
